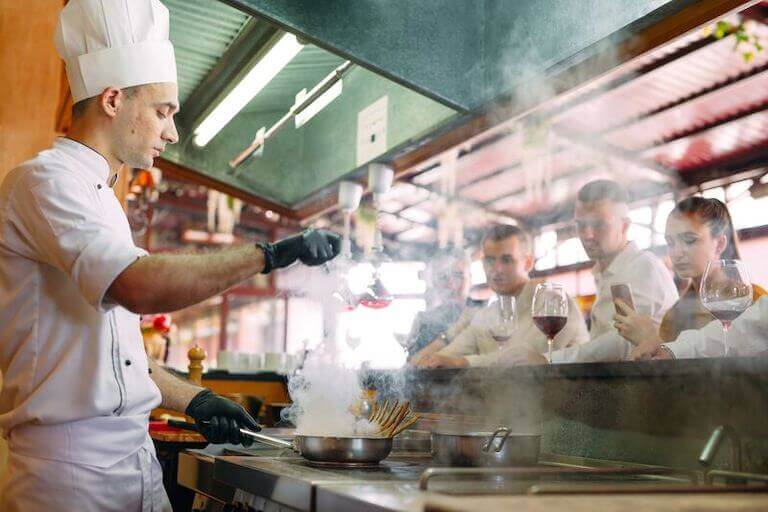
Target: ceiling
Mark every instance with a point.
(196, 56)
(682, 115)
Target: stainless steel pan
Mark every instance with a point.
(324, 449)
(499, 448)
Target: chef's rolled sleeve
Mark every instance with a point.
(68, 226)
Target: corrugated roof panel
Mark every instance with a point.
(742, 96)
(714, 145)
(201, 31)
(310, 66)
(705, 67)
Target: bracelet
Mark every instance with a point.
(668, 351)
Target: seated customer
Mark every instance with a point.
(447, 278)
(747, 337)
(602, 221)
(698, 230)
(507, 261)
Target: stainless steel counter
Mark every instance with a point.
(267, 478)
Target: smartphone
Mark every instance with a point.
(624, 292)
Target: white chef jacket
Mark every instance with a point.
(476, 344)
(653, 292)
(77, 387)
(748, 336)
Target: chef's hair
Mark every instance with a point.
(714, 213)
(600, 190)
(499, 232)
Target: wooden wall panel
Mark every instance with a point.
(31, 79)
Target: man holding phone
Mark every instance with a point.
(622, 272)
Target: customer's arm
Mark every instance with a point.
(748, 336)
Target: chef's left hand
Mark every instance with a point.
(219, 420)
(634, 327)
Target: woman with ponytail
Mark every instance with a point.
(698, 230)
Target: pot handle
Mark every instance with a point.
(498, 432)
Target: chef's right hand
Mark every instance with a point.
(312, 247)
(219, 419)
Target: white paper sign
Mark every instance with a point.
(372, 131)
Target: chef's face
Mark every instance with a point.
(144, 123)
(506, 263)
(602, 227)
(691, 245)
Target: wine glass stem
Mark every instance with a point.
(549, 350)
(726, 351)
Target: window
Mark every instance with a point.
(545, 252)
(640, 231)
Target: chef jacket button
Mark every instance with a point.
(127, 362)
(98, 186)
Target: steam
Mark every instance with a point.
(325, 395)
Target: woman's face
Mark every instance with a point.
(691, 245)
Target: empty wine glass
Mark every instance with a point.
(726, 291)
(550, 311)
(503, 324)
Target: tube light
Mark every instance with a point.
(319, 104)
(283, 51)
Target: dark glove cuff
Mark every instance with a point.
(269, 256)
(199, 399)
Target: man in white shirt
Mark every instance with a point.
(602, 222)
(507, 261)
(78, 387)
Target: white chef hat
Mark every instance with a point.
(114, 43)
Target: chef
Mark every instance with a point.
(78, 388)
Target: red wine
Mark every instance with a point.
(550, 325)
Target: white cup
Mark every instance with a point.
(225, 360)
(243, 360)
(274, 361)
(254, 361)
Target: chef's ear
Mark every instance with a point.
(111, 101)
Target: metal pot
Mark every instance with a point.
(498, 448)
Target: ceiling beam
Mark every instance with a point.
(176, 170)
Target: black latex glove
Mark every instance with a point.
(219, 420)
(312, 247)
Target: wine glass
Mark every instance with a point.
(550, 311)
(503, 324)
(726, 291)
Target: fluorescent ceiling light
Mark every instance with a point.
(319, 104)
(281, 53)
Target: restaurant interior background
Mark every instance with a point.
(686, 118)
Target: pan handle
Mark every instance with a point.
(497, 432)
(272, 441)
(262, 438)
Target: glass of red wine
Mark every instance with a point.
(550, 311)
(726, 292)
